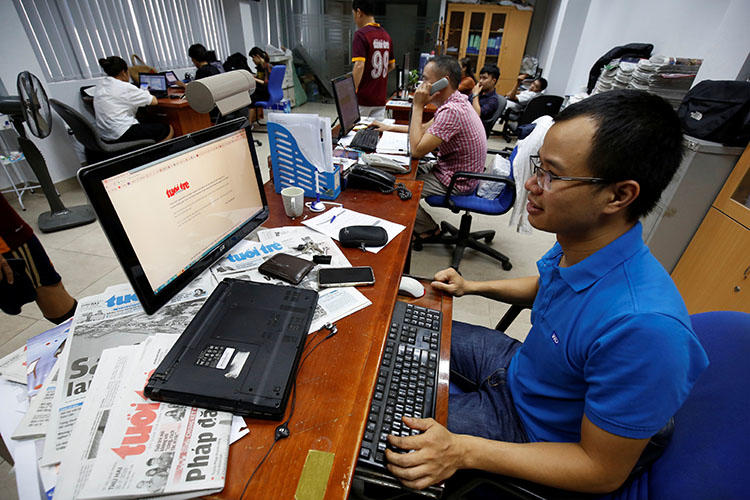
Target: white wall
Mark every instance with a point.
(715, 31)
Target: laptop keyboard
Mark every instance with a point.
(407, 380)
(365, 140)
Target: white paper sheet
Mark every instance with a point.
(333, 220)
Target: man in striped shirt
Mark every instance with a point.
(456, 131)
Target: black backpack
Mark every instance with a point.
(717, 111)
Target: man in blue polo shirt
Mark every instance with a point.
(611, 355)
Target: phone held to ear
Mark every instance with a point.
(438, 86)
(364, 177)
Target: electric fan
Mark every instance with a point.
(31, 106)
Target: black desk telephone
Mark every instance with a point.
(365, 177)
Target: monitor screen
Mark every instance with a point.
(346, 102)
(407, 68)
(170, 215)
(154, 81)
(171, 77)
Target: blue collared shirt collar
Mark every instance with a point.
(585, 273)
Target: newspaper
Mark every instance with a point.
(107, 320)
(13, 366)
(34, 423)
(333, 303)
(126, 446)
(42, 352)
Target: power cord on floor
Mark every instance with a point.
(282, 431)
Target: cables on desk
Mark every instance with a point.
(282, 431)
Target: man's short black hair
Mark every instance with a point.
(448, 66)
(491, 70)
(366, 6)
(542, 83)
(638, 137)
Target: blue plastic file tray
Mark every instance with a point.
(290, 168)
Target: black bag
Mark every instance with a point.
(717, 111)
(362, 236)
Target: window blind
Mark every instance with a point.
(69, 37)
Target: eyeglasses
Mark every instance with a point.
(544, 177)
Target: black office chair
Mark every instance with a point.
(539, 106)
(96, 149)
(463, 237)
(490, 122)
(88, 101)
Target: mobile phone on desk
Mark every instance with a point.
(345, 276)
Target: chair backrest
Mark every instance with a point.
(708, 456)
(490, 122)
(540, 106)
(82, 129)
(87, 99)
(275, 80)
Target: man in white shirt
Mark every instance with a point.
(116, 102)
(518, 98)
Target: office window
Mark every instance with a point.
(70, 37)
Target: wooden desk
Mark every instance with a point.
(336, 383)
(179, 114)
(401, 112)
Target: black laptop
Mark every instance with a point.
(240, 353)
(155, 83)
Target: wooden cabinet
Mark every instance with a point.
(488, 34)
(714, 272)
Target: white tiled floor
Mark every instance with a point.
(87, 264)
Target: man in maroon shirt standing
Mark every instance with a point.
(373, 58)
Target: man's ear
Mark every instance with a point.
(621, 195)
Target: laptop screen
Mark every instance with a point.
(154, 81)
(346, 102)
(170, 217)
(171, 77)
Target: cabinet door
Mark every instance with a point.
(454, 32)
(475, 40)
(734, 197)
(714, 272)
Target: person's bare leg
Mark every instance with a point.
(54, 301)
(170, 135)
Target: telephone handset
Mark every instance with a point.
(364, 177)
(438, 85)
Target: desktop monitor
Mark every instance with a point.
(346, 102)
(406, 69)
(153, 81)
(172, 209)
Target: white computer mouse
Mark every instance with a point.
(410, 286)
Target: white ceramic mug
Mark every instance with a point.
(294, 201)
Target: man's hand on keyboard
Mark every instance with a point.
(435, 454)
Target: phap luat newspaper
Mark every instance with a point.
(107, 320)
(128, 446)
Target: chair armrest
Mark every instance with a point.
(121, 146)
(505, 152)
(510, 315)
(475, 175)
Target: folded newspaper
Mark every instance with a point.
(127, 446)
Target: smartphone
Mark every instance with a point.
(439, 85)
(345, 276)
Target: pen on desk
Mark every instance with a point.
(331, 221)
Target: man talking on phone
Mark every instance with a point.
(456, 131)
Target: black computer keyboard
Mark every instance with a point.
(407, 380)
(365, 140)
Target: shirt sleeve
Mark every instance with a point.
(640, 373)
(359, 47)
(139, 97)
(526, 96)
(445, 125)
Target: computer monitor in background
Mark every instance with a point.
(406, 68)
(346, 102)
(171, 210)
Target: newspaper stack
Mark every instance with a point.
(668, 77)
(111, 319)
(127, 446)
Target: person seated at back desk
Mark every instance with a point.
(518, 98)
(116, 102)
(455, 131)
(262, 74)
(484, 99)
(611, 354)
